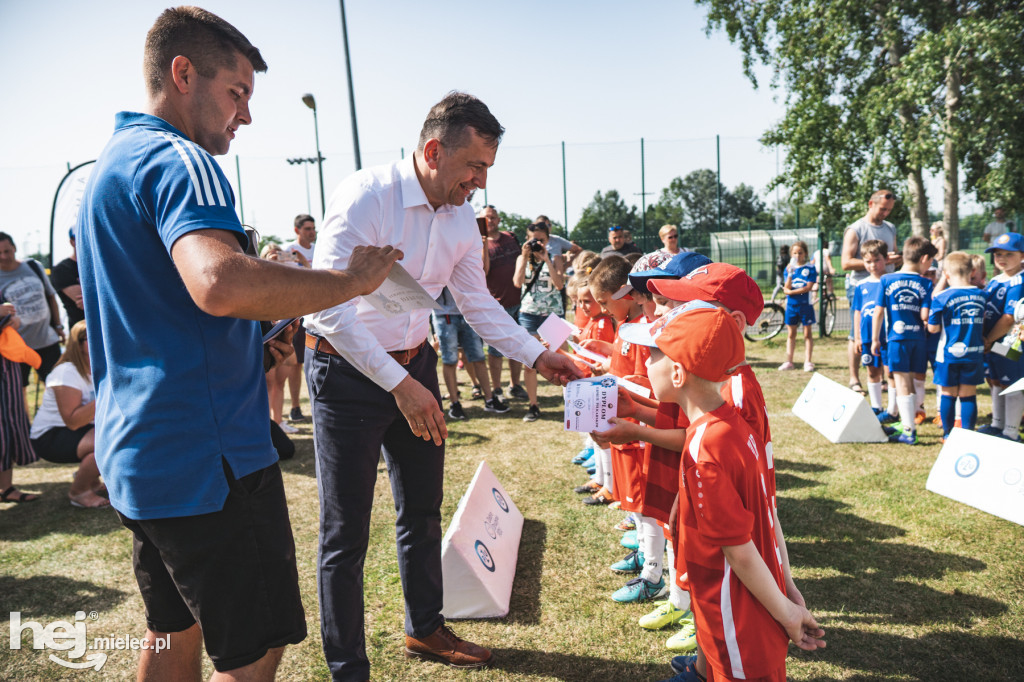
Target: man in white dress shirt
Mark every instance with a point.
(373, 378)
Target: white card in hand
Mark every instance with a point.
(400, 294)
(590, 355)
(556, 331)
(589, 403)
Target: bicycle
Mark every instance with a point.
(769, 323)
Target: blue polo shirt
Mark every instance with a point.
(178, 392)
(865, 299)
(903, 295)
(960, 311)
(801, 276)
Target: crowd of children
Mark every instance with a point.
(693, 466)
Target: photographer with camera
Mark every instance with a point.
(541, 283)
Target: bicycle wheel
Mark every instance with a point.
(770, 323)
(830, 315)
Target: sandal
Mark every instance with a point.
(79, 501)
(477, 393)
(855, 386)
(9, 496)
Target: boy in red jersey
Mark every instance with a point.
(736, 574)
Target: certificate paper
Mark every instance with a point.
(589, 403)
(590, 355)
(556, 331)
(400, 294)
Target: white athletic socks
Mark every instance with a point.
(906, 405)
(605, 457)
(892, 408)
(998, 407)
(1014, 410)
(652, 546)
(919, 393)
(875, 394)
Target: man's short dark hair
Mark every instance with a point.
(208, 41)
(6, 237)
(302, 218)
(450, 119)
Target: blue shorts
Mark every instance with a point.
(1002, 370)
(531, 322)
(513, 312)
(907, 356)
(453, 331)
(800, 314)
(949, 375)
(869, 360)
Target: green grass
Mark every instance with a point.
(908, 585)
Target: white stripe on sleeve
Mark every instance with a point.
(198, 155)
(214, 178)
(188, 164)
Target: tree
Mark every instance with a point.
(605, 211)
(879, 93)
(742, 207)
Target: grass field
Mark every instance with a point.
(907, 584)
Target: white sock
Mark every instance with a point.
(1014, 410)
(893, 409)
(652, 546)
(677, 596)
(605, 455)
(957, 408)
(919, 393)
(875, 394)
(998, 407)
(906, 404)
(599, 468)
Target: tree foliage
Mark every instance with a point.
(879, 94)
(605, 211)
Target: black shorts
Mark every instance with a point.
(233, 572)
(299, 343)
(60, 444)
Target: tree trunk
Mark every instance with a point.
(918, 203)
(950, 163)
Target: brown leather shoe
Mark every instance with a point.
(446, 647)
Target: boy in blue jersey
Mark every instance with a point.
(800, 279)
(1002, 295)
(874, 253)
(957, 316)
(903, 300)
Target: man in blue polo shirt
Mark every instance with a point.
(182, 419)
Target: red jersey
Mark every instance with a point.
(628, 459)
(601, 328)
(724, 501)
(661, 467)
(744, 393)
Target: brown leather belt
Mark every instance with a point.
(402, 357)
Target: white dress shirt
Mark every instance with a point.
(386, 205)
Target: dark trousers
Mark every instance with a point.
(353, 419)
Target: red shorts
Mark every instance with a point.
(627, 470)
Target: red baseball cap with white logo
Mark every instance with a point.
(722, 282)
(702, 338)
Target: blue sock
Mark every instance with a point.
(969, 412)
(947, 410)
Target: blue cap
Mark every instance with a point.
(678, 266)
(615, 228)
(1010, 241)
(71, 233)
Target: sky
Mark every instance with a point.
(596, 75)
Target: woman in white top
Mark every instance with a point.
(62, 431)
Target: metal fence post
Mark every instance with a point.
(822, 284)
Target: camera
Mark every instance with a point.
(535, 245)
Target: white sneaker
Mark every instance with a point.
(786, 366)
(286, 427)
(808, 366)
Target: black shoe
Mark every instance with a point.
(455, 411)
(518, 392)
(533, 414)
(496, 404)
(296, 415)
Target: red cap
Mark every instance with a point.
(721, 282)
(702, 338)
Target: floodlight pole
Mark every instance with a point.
(310, 102)
(351, 93)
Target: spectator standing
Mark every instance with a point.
(64, 278)
(373, 379)
(502, 251)
(304, 245)
(669, 235)
(872, 226)
(278, 374)
(998, 226)
(26, 286)
(617, 243)
(560, 247)
(938, 239)
(15, 445)
(541, 283)
(182, 437)
(63, 431)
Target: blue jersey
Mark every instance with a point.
(995, 300)
(801, 276)
(903, 295)
(865, 299)
(1014, 293)
(179, 392)
(960, 312)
